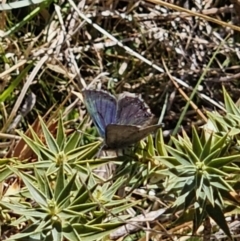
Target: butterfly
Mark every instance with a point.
(120, 121)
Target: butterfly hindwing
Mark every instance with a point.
(102, 107)
(119, 136)
(132, 110)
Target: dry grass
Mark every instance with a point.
(75, 51)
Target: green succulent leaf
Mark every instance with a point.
(61, 137)
(223, 161)
(190, 199)
(160, 146)
(168, 161)
(25, 211)
(72, 142)
(40, 180)
(219, 144)
(70, 233)
(218, 182)
(216, 213)
(183, 171)
(4, 173)
(178, 143)
(206, 149)
(63, 190)
(150, 146)
(178, 155)
(197, 145)
(81, 208)
(34, 191)
(184, 200)
(198, 216)
(193, 159)
(32, 144)
(229, 104)
(51, 142)
(82, 195)
(208, 190)
(76, 138)
(211, 156)
(32, 232)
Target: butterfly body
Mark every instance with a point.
(121, 121)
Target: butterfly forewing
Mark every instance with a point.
(119, 136)
(102, 107)
(132, 110)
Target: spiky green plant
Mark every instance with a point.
(60, 198)
(62, 150)
(64, 208)
(199, 173)
(228, 123)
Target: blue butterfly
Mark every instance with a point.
(120, 121)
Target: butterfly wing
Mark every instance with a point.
(119, 136)
(102, 107)
(132, 110)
